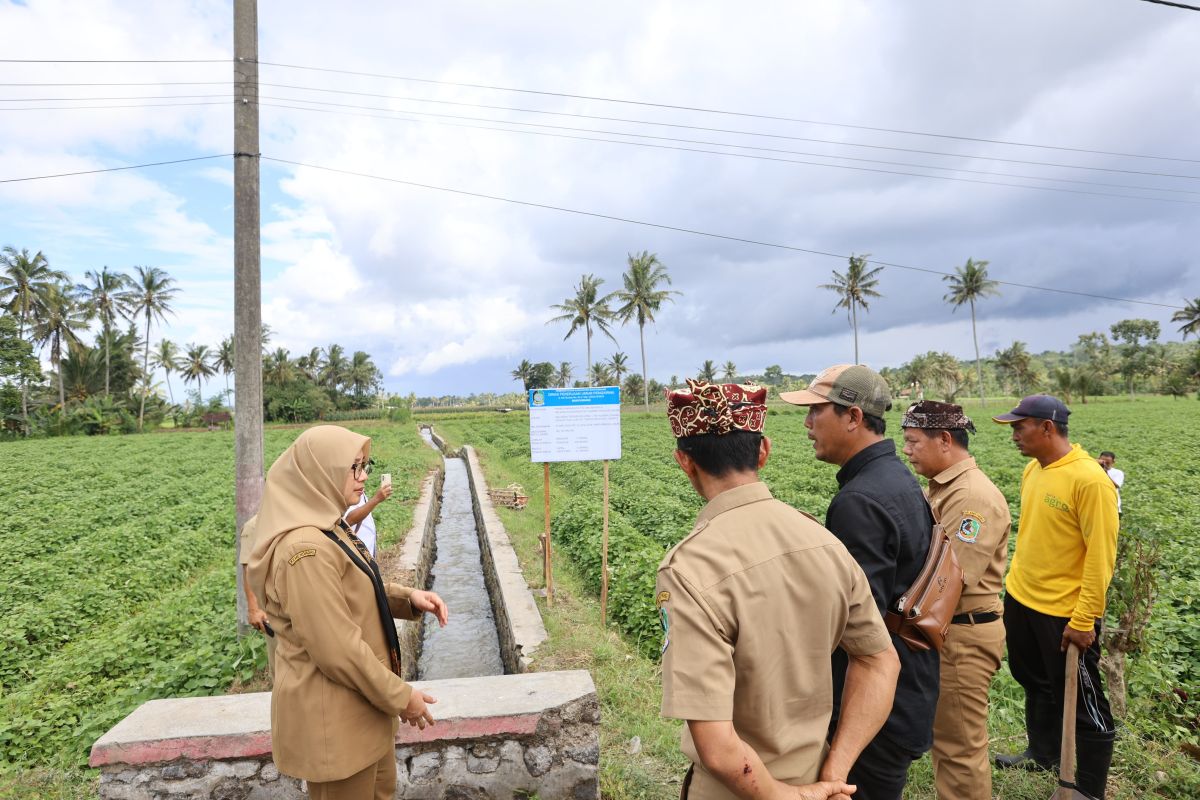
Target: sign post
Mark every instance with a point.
(574, 425)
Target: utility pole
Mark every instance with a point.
(247, 281)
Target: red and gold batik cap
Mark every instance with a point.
(717, 408)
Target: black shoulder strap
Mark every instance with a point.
(362, 559)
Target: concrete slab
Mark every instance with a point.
(239, 726)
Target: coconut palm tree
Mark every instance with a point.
(197, 366)
(278, 368)
(23, 285)
(101, 293)
(1189, 315)
(524, 374)
(729, 371)
(853, 289)
(618, 364)
(362, 376)
(585, 309)
(1016, 362)
(968, 284)
(149, 296)
(642, 298)
(312, 364)
(333, 372)
(166, 358)
(223, 360)
(600, 374)
(708, 372)
(563, 377)
(62, 317)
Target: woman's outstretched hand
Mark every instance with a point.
(429, 602)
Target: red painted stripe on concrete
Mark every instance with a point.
(471, 728)
(197, 748)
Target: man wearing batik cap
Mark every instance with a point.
(881, 515)
(975, 515)
(751, 603)
(1066, 549)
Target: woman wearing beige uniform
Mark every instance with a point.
(337, 689)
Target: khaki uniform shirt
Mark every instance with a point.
(752, 603)
(976, 517)
(335, 702)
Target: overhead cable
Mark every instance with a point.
(114, 169)
(776, 159)
(704, 110)
(692, 231)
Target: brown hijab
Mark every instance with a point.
(305, 484)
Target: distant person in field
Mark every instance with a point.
(882, 517)
(359, 516)
(1106, 459)
(751, 604)
(1066, 548)
(975, 515)
(337, 687)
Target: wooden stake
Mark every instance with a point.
(548, 565)
(604, 555)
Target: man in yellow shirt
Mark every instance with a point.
(1066, 548)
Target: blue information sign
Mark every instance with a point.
(575, 424)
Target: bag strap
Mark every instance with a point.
(363, 560)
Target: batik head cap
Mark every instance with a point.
(846, 385)
(717, 408)
(932, 415)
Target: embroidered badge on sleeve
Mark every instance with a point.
(968, 529)
(302, 554)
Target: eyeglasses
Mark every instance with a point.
(362, 467)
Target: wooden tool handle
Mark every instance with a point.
(1066, 763)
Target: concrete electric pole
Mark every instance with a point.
(247, 281)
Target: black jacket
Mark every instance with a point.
(883, 519)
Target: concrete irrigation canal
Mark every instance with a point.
(502, 731)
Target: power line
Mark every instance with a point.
(769, 158)
(85, 99)
(655, 123)
(725, 130)
(95, 108)
(704, 110)
(114, 169)
(114, 60)
(692, 231)
(1176, 5)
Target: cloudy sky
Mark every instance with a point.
(838, 127)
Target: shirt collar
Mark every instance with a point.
(855, 465)
(954, 470)
(734, 498)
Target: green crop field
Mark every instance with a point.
(118, 584)
(118, 578)
(652, 506)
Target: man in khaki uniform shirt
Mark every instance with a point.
(752, 602)
(975, 515)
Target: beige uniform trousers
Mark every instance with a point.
(970, 658)
(376, 782)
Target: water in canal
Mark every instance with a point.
(468, 646)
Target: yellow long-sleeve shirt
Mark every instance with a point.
(1066, 540)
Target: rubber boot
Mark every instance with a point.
(1044, 729)
(1093, 756)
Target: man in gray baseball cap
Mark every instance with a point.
(881, 516)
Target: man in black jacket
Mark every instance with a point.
(881, 516)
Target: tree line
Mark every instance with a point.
(1094, 365)
(108, 386)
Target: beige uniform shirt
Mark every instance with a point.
(752, 603)
(976, 517)
(335, 702)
